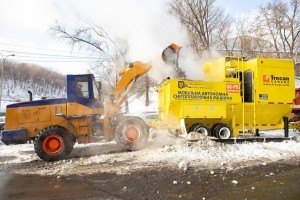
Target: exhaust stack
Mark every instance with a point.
(30, 95)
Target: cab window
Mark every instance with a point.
(95, 90)
(82, 89)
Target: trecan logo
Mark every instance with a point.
(266, 78)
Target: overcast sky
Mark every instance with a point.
(24, 28)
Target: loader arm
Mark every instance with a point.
(129, 74)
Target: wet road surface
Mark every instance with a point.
(14, 186)
(274, 181)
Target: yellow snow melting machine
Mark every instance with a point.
(237, 95)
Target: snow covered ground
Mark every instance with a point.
(163, 151)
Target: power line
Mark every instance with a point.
(15, 45)
(21, 60)
(51, 58)
(49, 55)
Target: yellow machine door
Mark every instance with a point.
(248, 86)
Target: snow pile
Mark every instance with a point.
(17, 153)
(208, 154)
(110, 158)
(278, 133)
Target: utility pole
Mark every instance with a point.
(1, 78)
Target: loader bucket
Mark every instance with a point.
(170, 54)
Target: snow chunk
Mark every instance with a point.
(184, 164)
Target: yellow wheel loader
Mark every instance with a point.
(56, 124)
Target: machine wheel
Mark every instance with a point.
(192, 128)
(53, 143)
(202, 129)
(132, 133)
(223, 131)
(213, 130)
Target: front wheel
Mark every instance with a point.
(53, 143)
(132, 133)
(223, 131)
(202, 130)
(192, 127)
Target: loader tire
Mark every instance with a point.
(53, 143)
(223, 131)
(202, 130)
(132, 133)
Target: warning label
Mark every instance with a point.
(233, 88)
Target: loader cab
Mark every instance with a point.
(83, 92)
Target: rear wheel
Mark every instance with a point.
(132, 133)
(53, 143)
(223, 131)
(213, 130)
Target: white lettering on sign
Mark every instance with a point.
(204, 96)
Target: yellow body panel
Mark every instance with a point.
(253, 94)
(33, 114)
(273, 77)
(214, 70)
(76, 109)
(35, 118)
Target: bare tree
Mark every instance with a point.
(268, 22)
(225, 41)
(84, 36)
(41, 81)
(112, 54)
(112, 51)
(232, 37)
(279, 22)
(203, 20)
(292, 31)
